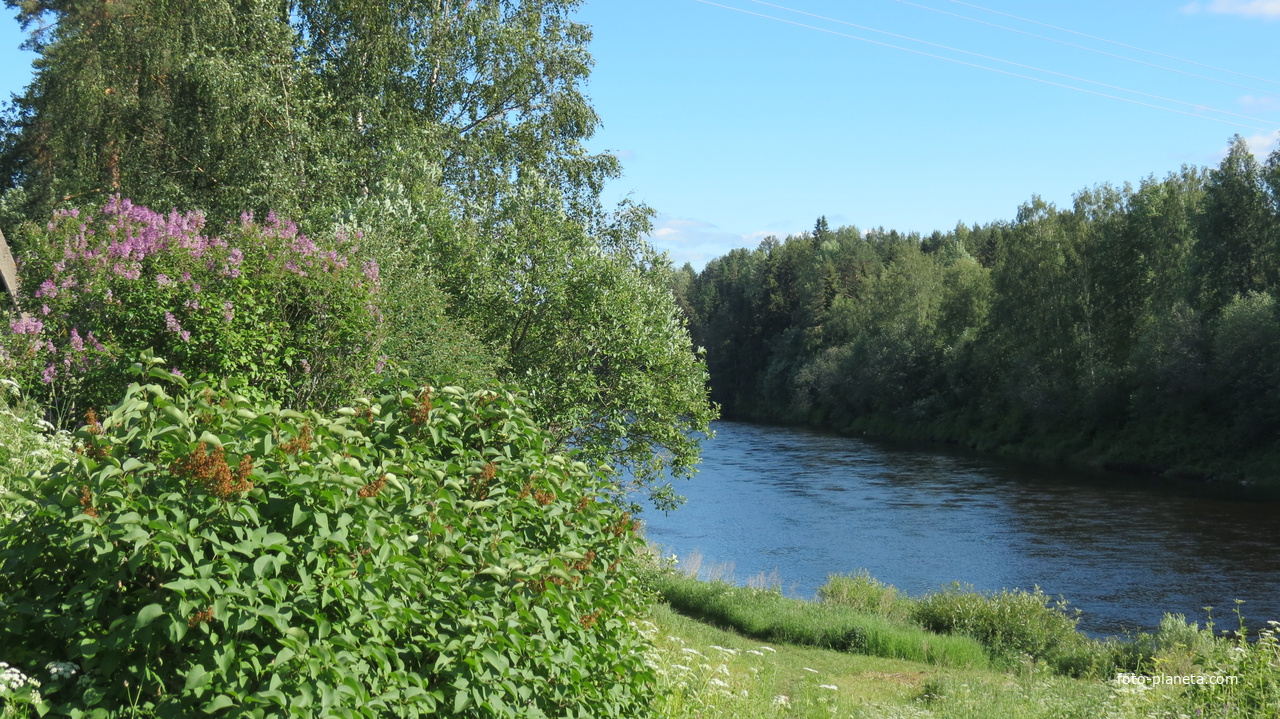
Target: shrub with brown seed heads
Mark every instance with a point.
(204, 616)
(373, 488)
(86, 501)
(421, 413)
(210, 470)
(301, 443)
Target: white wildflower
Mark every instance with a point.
(782, 701)
(681, 667)
(723, 649)
(832, 687)
(13, 680)
(62, 670)
(723, 669)
(718, 683)
(771, 650)
(752, 651)
(691, 650)
(815, 671)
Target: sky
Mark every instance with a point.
(735, 126)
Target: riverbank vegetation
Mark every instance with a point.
(261, 256)
(1038, 666)
(1137, 329)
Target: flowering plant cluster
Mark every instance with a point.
(297, 318)
(418, 553)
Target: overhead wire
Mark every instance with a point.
(1126, 58)
(1112, 42)
(984, 67)
(1197, 106)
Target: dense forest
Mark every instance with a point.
(1137, 329)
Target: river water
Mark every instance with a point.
(1122, 550)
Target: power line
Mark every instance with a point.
(984, 67)
(1109, 54)
(1016, 64)
(1113, 42)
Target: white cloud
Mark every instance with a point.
(1265, 102)
(1263, 143)
(697, 241)
(1267, 9)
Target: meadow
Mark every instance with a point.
(723, 650)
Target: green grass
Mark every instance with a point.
(713, 673)
(721, 650)
(766, 614)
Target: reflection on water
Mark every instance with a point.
(1123, 551)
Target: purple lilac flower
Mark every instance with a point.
(382, 363)
(175, 372)
(171, 322)
(44, 309)
(192, 304)
(306, 366)
(49, 374)
(47, 289)
(26, 326)
(163, 280)
(370, 270)
(96, 344)
(77, 342)
(228, 310)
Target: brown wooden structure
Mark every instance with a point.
(8, 273)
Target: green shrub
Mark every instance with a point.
(767, 615)
(27, 444)
(1010, 624)
(298, 318)
(418, 554)
(865, 593)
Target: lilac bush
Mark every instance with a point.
(296, 317)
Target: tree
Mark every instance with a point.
(490, 91)
(175, 104)
(1231, 257)
(455, 128)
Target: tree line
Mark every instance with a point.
(1136, 329)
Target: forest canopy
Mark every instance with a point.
(1137, 328)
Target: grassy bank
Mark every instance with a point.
(723, 651)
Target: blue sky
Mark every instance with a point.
(734, 126)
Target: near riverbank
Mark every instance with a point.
(709, 655)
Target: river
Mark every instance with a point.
(1122, 550)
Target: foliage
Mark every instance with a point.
(1010, 624)
(195, 105)
(27, 443)
(455, 132)
(414, 554)
(300, 106)
(299, 320)
(1134, 329)
(585, 324)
